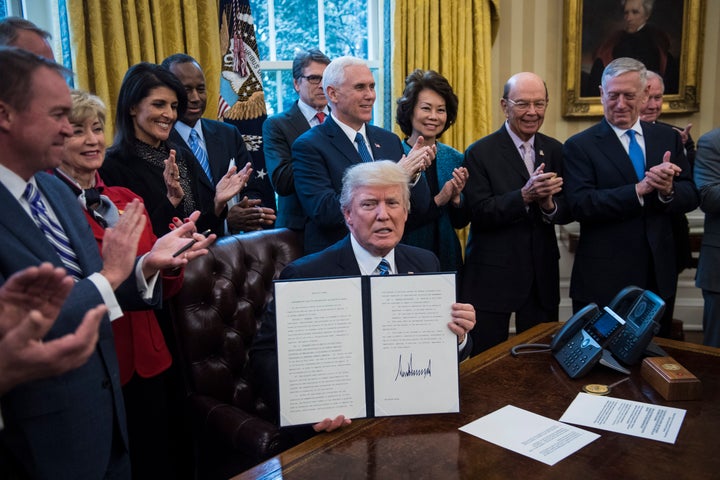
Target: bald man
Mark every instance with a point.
(514, 192)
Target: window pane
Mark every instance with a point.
(279, 93)
(346, 28)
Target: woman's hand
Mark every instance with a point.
(171, 175)
(161, 256)
(230, 185)
(453, 188)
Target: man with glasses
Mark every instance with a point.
(514, 192)
(281, 130)
(624, 180)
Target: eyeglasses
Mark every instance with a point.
(524, 106)
(314, 79)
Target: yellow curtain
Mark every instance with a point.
(454, 38)
(108, 37)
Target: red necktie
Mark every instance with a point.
(320, 116)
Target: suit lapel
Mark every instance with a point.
(67, 217)
(16, 221)
(339, 140)
(345, 258)
(217, 150)
(510, 151)
(296, 121)
(653, 146)
(608, 143)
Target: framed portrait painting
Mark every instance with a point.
(665, 35)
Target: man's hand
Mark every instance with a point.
(30, 301)
(120, 244)
(541, 187)
(684, 133)
(249, 215)
(463, 320)
(161, 256)
(43, 288)
(328, 425)
(418, 158)
(660, 178)
(230, 185)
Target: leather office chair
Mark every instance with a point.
(215, 317)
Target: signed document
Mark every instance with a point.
(365, 347)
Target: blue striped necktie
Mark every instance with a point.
(53, 232)
(383, 267)
(362, 148)
(200, 154)
(636, 155)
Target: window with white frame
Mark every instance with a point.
(336, 27)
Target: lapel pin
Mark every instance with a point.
(377, 145)
(542, 154)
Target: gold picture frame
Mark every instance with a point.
(684, 18)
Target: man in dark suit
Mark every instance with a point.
(650, 112)
(281, 130)
(374, 202)
(514, 195)
(624, 179)
(707, 180)
(322, 154)
(51, 424)
(223, 146)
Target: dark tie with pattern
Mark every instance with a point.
(53, 232)
(383, 267)
(636, 155)
(362, 148)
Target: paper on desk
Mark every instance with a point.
(529, 434)
(639, 419)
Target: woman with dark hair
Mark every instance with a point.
(426, 109)
(167, 177)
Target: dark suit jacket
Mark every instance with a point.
(62, 427)
(707, 179)
(320, 157)
(621, 241)
(510, 248)
(338, 260)
(224, 144)
(127, 170)
(279, 133)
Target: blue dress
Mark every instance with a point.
(436, 230)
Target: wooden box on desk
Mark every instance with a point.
(670, 379)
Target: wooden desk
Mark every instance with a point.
(432, 447)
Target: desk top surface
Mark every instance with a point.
(431, 446)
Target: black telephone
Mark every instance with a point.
(641, 309)
(579, 344)
(624, 329)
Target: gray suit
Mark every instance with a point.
(707, 180)
(71, 425)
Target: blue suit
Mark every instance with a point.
(64, 426)
(338, 260)
(622, 242)
(279, 133)
(320, 157)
